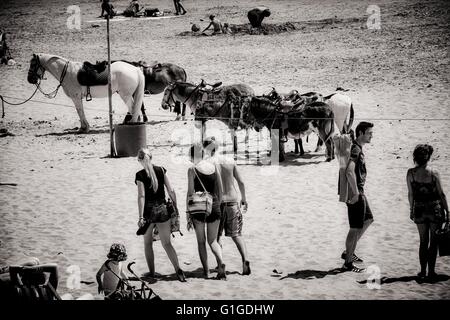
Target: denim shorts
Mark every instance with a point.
(156, 213)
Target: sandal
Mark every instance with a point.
(180, 275)
(353, 268)
(221, 275)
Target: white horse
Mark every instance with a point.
(127, 80)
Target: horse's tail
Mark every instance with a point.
(330, 134)
(350, 120)
(138, 95)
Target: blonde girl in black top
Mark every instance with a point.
(151, 203)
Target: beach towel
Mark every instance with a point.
(342, 147)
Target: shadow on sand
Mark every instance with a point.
(386, 280)
(313, 274)
(105, 129)
(195, 274)
(70, 132)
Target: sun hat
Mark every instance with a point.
(117, 252)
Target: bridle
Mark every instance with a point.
(172, 87)
(40, 67)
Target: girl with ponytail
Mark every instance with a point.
(151, 181)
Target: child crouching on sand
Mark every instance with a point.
(112, 270)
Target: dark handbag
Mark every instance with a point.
(443, 239)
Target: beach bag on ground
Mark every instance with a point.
(443, 238)
(200, 202)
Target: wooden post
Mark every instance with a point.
(110, 91)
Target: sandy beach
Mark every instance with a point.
(70, 201)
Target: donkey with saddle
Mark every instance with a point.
(227, 104)
(294, 117)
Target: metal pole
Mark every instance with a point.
(110, 91)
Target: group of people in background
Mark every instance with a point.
(134, 9)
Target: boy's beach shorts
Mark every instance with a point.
(231, 220)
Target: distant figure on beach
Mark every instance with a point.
(4, 50)
(133, 9)
(359, 214)
(204, 176)
(428, 207)
(231, 220)
(227, 29)
(152, 210)
(179, 8)
(112, 269)
(107, 8)
(216, 24)
(257, 15)
(195, 28)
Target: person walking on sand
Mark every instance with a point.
(179, 8)
(359, 214)
(108, 8)
(152, 210)
(112, 269)
(204, 176)
(231, 220)
(428, 207)
(216, 24)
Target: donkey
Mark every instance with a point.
(316, 116)
(340, 104)
(227, 104)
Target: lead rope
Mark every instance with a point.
(14, 104)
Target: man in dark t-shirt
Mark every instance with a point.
(359, 213)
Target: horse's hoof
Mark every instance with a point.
(128, 118)
(329, 159)
(145, 119)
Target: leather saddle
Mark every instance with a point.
(93, 74)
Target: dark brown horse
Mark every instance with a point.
(316, 116)
(227, 104)
(157, 77)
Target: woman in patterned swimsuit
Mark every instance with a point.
(427, 203)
